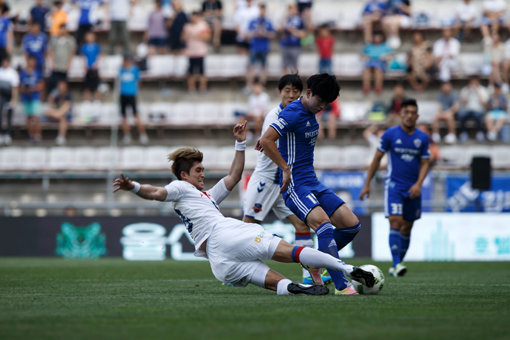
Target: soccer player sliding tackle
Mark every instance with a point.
(296, 131)
(235, 249)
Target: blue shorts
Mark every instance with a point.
(302, 199)
(158, 42)
(375, 63)
(258, 57)
(397, 202)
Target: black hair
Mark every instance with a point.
(410, 102)
(293, 80)
(324, 86)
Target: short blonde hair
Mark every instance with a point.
(183, 160)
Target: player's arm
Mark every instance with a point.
(267, 144)
(145, 191)
(415, 189)
(237, 167)
(365, 192)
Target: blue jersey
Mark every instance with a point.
(129, 81)
(260, 44)
(35, 46)
(405, 154)
(288, 39)
(5, 27)
(91, 52)
(86, 7)
(30, 80)
(298, 129)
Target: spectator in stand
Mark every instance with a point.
(118, 13)
(129, 78)
(466, 14)
(85, 22)
(473, 102)
(292, 30)
(61, 51)
(329, 116)
(91, 51)
(35, 44)
(447, 99)
(31, 86)
(60, 110)
(196, 34)
(9, 82)
(243, 16)
(58, 17)
(6, 34)
(421, 67)
(260, 31)
(156, 35)
(446, 53)
(175, 26)
(506, 64)
(376, 55)
(258, 106)
(212, 10)
(38, 14)
(305, 11)
(494, 53)
(398, 14)
(393, 110)
(493, 16)
(497, 114)
(325, 43)
(372, 15)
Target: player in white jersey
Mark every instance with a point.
(235, 249)
(263, 190)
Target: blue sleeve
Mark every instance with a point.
(251, 25)
(98, 49)
(24, 42)
(425, 151)
(137, 73)
(385, 142)
(270, 27)
(286, 121)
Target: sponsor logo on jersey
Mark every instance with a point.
(257, 207)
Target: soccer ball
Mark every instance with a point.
(379, 281)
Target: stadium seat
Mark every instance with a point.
(500, 157)
(11, 158)
(347, 65)
(454, 156)
(328, 157)
(107, 158)
(308, 64)
(61, 158)
(427, 111)
(35, 158)
(77, 68)
(355, 157)
(160, 65)
(132, 157)
(354, 111)
(85, 159)
(157, 158)
(109, 66)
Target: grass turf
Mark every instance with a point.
(113, 298)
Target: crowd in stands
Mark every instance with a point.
(49, 49)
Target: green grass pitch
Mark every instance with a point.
(117, 299)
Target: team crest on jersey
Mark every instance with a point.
(257, 207)
(417, 143)
(399, 141)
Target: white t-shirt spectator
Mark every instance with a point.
(243, 17)
(466, 12)
(447, 49)
(494, 5)
(507, 49)
(474, 98)
(119, 9)
(258, 104)
(9, 75)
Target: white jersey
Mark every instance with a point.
(265, 167)
(198, 209)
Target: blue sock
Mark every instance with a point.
(404, 245)
(327, 245)
(344, 236)
(395, 245)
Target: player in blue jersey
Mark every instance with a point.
(408, 164)
(296, 131)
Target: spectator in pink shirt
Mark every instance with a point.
(196, 34)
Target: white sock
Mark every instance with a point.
(318, 259)
(305, 243)
(281, 287)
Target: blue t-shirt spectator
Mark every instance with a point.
(393, 6)
(129, 81)
(497, 103)
(373, 7)
(376, 51)
(38, 14)
(5, 27)
(86, 7)
(260, 44)
(30, 79)
(289, 40)
(35, 45)
(91, 51)
(447, 100)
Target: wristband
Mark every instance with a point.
(136, 187)
(240, 146)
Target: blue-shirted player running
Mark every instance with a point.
(319, 207)
(408, 164)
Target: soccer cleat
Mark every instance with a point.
(346, 291)
(391, 271)
(398, 270)
(299, 288)
(363, 276)
(326, 278)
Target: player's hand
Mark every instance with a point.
(414, 191)
(285, 180)
(258, 146)
(365, 193)
(240, 131)
(122, 183)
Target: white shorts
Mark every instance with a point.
(261, 197)
(236, 249)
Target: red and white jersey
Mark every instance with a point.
(265, 167)
(198, 209)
